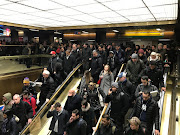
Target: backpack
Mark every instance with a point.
(31, 98)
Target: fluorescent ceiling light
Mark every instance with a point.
(73, 40)
(158, 29)
(85, 32)
(91, 40)
(33, 30)
(164, 39)
(56, 32)
(115, 30)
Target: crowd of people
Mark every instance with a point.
(138, 88)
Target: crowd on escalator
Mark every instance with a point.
(133, 97)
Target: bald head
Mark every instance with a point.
(71, 93)
(16, 98)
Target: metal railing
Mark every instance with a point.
(44, 107)
(105, 107)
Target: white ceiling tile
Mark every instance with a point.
(3, 2)
(105, 14)
(65, 12)
(141, 18)
(6, 12)
(159, 2)
(43, 14)
(116, 19)
(138, 11)
(61, 18)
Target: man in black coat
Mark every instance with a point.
(76, 125)
(103, 54)
(155, 75)
(86, 55)
(22, 110)
(96, 66)
(69, 62)
(59, 120)
(76, 53)
(147, 110)
(47, 88)
(73, 102)
(119, 105)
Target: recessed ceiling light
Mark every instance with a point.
(158, 29)
(115, 30)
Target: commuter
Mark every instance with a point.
(52, 62)
(120, 55)
(109, 48)
(126, 87)
(86, 55)
(134, 69)
(112, 61)
(94, 96)
(73, 102)
(161, 51)
(22, 110)
(62, 53)
(147, 110)
(128, 52)
(155, 75)
(88, 115)
(76, 53)
(146, 86)
(27, 51)
(27, 97)
(85, 81)
(137, 47)
(9, 125)
(59, 120)
(155, 57)
(96, 65)
(103, 54)
(28, 86)
(142, 55)
(76, 125)
(69, 62)
(153, 48)
(135, 127)
(107, 127)
(47, 88)
(119, 105)
(106, 79)
(7, 101)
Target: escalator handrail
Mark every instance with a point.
(44, 106)
(105, 107)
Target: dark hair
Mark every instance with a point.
(76, 111)
(57, 105)
(26, 92)
(145, 78)
(84, 102)
(147, 92)
(106, 116)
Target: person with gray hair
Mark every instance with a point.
(22, 110)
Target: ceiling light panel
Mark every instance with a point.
(105, 14)
(137, 11)
(43, 14)
(124, 4)
(116, 19)
(92, 8)
(19, 8)
(65, 12)
(72, 3)
(151, 3)
(42, 4)
(141, 18)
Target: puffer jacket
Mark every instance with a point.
(152, 112)
(8, 102)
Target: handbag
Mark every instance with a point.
(99, 81)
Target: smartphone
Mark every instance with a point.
(110, 89)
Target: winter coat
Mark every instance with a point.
(8, 102)
(52, 63)
(30, 89)
(127, 88)
(73, 103)
(112, 62)
(152, 112)
(23, 111)
(93, 98)
(129, 131)
(120, 55)
(62, 120)
(107, 130)
(134, 70)
(83, 85)
(86, 54)
(159, 63)
(89, 116)
(69, 64)
(106, 81)
(32, 102)
(103, 56)
(143, 58)
(155, 75)
(47, 88)
(149, 88)
(77, 127)
(119, 104)
(77, 55)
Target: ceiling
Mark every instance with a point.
(63, 13)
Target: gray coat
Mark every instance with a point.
(106, 82)
(82, 85)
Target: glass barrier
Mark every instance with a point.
(37, 122)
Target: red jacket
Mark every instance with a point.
(32, 102)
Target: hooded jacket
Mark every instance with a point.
(8, 102)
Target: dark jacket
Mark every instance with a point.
(119, 104)
(47, 88)
(92, 97)
(62, 120)
(152, 112)
(127, 88)
(103, 56)
(77, 127)
(107, 130)
(86, 54)
(73, 103)
(30, 88)
(52, 63)
(76, 53)
(143, 58)
(89, 116)
(69, 64)
(120, 55)
(129, 131)
(155, 75)
(112, 62)
(134, 71)
(23, 111)
(149, 88)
